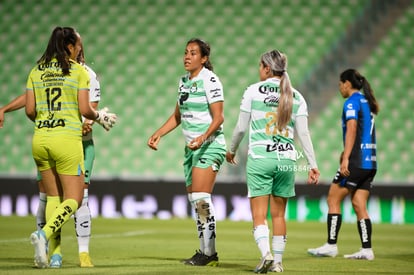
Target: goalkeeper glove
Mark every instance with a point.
(107, 120)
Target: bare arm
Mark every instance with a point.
(85, 107)
(172, 122)
(16, 104)
(30, 105)
(87, 124)
(350, 136)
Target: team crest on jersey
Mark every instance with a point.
(193, 88)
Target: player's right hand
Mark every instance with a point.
(153, 141)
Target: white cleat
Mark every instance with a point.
(326, 250)
(39, 242)
(264, 264)
(363, 254)
(276, 267)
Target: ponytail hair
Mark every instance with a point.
(359, 82)
(58, 47)
(204, 50)
(81, 56)
(277, 61)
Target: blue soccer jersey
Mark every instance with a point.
(363, 153)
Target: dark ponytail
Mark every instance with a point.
(361, 83)
(58, 47)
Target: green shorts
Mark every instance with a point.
(209, 155)
(89, 157)
(63, 152)
(270, 176)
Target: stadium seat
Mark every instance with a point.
(136, 49)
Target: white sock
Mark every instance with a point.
(198, 223)
(206, 221)
(83, 224)
(261, 236)
(41, 211)
(278, 247)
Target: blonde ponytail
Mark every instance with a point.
(284, 110)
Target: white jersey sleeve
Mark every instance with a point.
(214, 89)
(302, 107)
(95, 87)
(94, 94)
(246, 102)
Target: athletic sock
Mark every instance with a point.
(197, 220)
(365, 232)
(261, 236)
(83, 224)
(278, 247)
(60, 216)
(206, 221)
(334, 224)
(54, 242)
(41, 211)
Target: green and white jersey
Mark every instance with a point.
(194, 97)
(94, 94)
(261, 100)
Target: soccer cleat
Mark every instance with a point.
(201, 259)
(85, 260)
(363, 254)
(55, 261)
(276, 267)
(39, 242)
(193, 258)
(326, 250)
(264, 264)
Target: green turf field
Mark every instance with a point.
(126, 246)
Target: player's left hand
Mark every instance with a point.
(196, 143)
(107, 120)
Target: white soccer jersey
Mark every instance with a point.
(94, 93)
(265, 140)
(194, 97)
(95, 87)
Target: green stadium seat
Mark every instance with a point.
(136, 50)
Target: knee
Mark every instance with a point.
(334, 204)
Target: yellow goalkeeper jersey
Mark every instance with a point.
(57, 107)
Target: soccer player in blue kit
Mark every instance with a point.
(358, 165)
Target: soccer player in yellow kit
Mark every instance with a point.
(57, 96)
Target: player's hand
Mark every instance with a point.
(230, 157)
(313, 176)
(343, 168)
(196, 143)
(87, 127)
(107, 120)
(153, 141)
